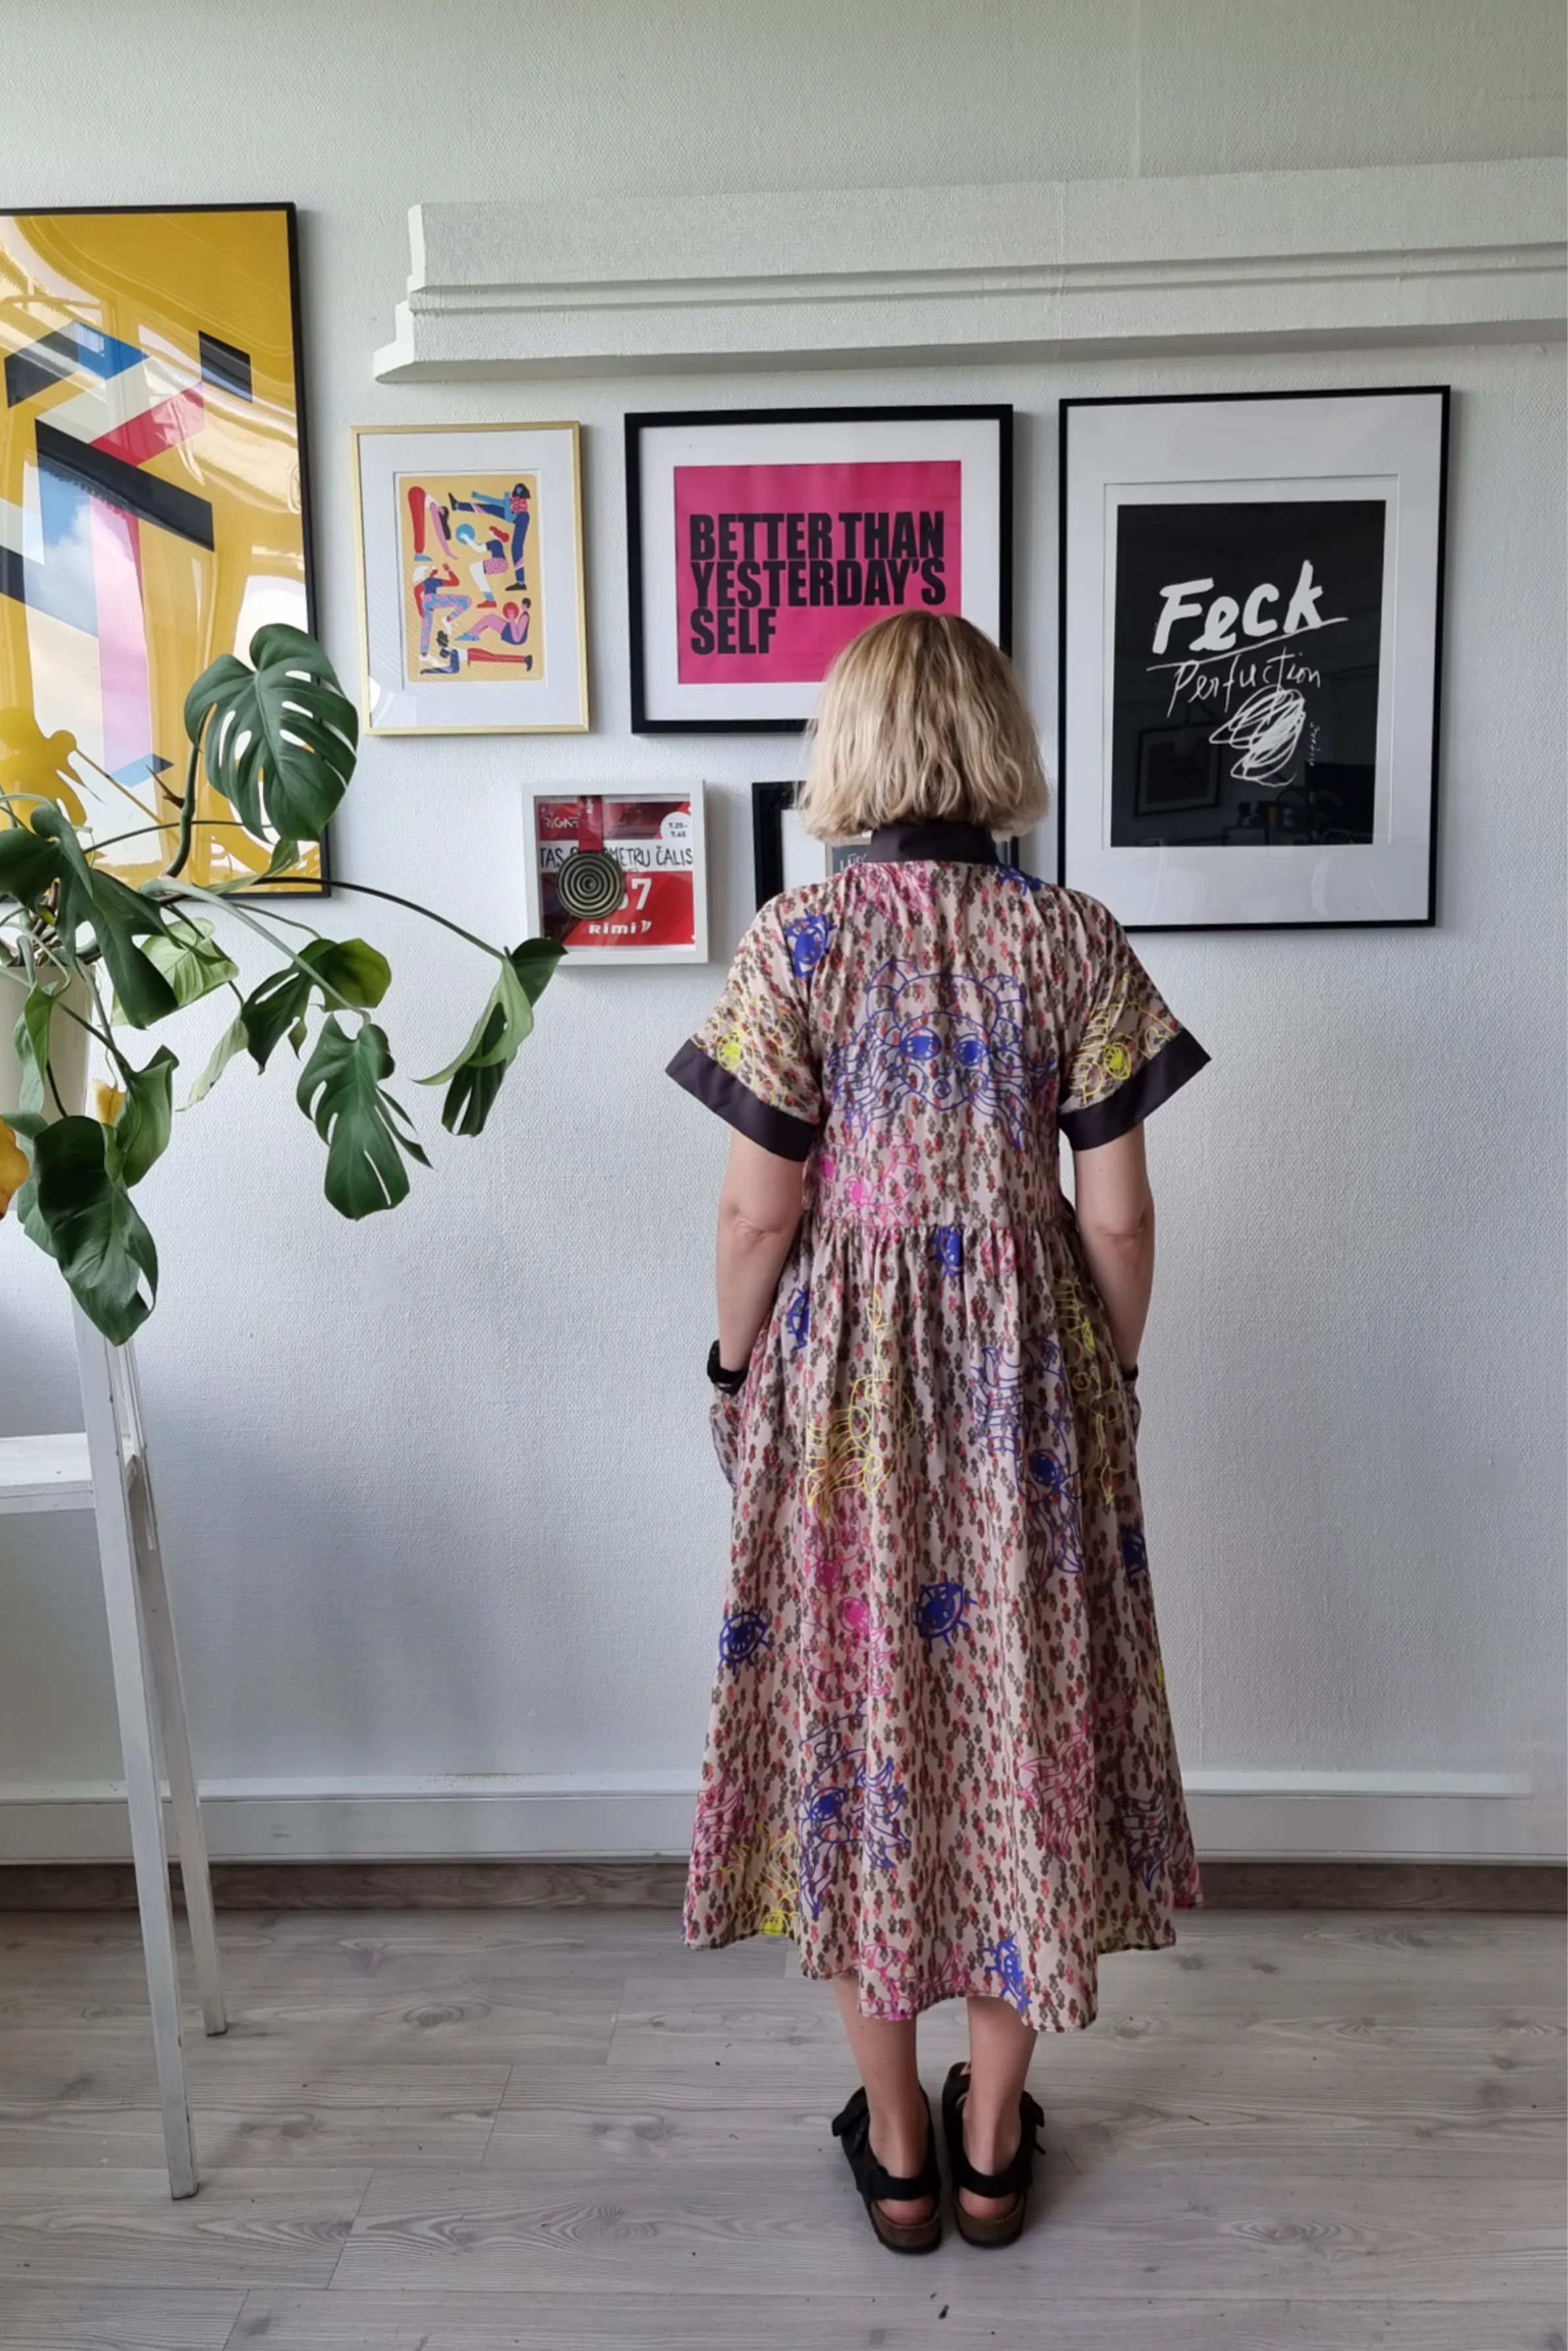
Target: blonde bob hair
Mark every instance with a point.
(921, 717)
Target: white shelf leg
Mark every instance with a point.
(133, 1700)
(190, 1836)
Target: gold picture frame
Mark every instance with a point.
(473, 602)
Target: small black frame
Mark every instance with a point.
(637, 423)
(768, 803)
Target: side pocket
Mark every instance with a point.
(725, 1417)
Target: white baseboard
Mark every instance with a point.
(632, 1816)
(640, 1815)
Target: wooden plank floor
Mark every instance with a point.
(484, 2130)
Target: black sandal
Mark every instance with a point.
(1013, 2180)
(880, 2187)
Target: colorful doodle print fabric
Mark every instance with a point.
(940, 1755)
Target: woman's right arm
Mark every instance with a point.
(1116, 1210)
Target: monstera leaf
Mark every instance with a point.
(474, 1079)
(366, 1131)
(146, 1114)
(31, 1039)
(279, 736)
(28, 865)
(79, 1210)
(88, 897)
(344, 971)
(189, 958)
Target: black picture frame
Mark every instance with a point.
(639, 421)
(769, 803)
(322, 886)
(1427, 917)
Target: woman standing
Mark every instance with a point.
(940, 1755)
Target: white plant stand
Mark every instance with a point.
(103, 1468)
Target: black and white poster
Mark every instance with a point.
(1234, 751)
(1247, 657)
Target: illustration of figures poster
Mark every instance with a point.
(154, 510)
(471, 606)
(1250, 604)
(471, 573)
(619, 876)
(761, 541)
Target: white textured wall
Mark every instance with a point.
(436, 1489)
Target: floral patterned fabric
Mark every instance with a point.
(940, 1755)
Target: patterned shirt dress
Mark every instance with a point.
(940, 1755)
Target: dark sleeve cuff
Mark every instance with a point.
(775, 1130)
(1131, 1103)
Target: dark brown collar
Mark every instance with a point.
(935, 839)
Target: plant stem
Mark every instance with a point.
(364, 890)
(360, 889)
(15, 800)
(121, 1063)
(290, 922)
(211, 823)
(227, 898)
(216, 898)
(187, 812)
(104, 1035)
(76, 752)
(104, 1039)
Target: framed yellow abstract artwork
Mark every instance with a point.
(154, 509)
(471, 578)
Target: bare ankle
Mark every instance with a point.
(898, 2136)
(990, 2140)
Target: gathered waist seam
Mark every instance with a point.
(1057, 1220)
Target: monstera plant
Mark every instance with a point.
(88, 959)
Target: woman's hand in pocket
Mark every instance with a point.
(725, 1417)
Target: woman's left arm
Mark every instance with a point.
(759, 1217)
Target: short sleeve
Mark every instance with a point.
(751, 1060)
(1132, 1052)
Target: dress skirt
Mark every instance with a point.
(940, 1754)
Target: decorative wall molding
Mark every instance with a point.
(1378, 256)
(1260, 1815)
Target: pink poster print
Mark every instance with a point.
(779, 566)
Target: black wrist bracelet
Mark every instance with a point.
(1129, 1376)
(730, 1382)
